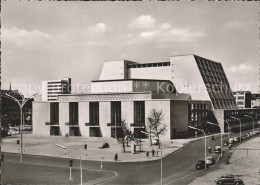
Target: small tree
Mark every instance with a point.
(155, 126)
(126, 136)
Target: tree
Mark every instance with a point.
(126, 136)
(155, 126)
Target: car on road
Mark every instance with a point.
(217, 149)
(104, 145)
(210, 160)
(229, 179)
(236, 139)
(251, 134)
(231, 140)
(200, 165)
(155, 141)
(225, 143)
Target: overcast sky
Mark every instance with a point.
(50, 40)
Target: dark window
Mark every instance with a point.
(116, 112)
(93, 112)
(139, 112)
(54, 113)
(73, 110)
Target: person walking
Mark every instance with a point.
(209, 149)
(153, 152)
(147, 154)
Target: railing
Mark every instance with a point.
(137, 125)
(71, 124)
(91, 124)
(113, 124)
(51, 123)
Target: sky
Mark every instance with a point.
(51, 40)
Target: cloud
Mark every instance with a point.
(143, 22)
(234, 24)
(166, 34)
(242, 68)
(97, 28)
(24, 38)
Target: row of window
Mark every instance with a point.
(139, 112)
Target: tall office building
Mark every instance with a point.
(243, 99)
(52, 88)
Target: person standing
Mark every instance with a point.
(116, 157)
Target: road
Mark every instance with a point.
(178, 168)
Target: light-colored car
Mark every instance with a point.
(210, 160)
(217, 149)
(155, 141)
(231, 140)
(236, 139)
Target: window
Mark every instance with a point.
(54, 113)
(93, 113)
(116, 112)
(139, 112)
(73, 112)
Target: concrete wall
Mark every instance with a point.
(179, 116)
(113, 70)
(127, 111)
(187, 77)
(158, 73)
(64, 117)
(41, 115)
(219, 115)
(111, 86)
(84, 118)
(44, 91)
(104, 118)
(165, 107)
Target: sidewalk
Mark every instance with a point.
(45, 146)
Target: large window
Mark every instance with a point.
(73, 111)
(116, 112)
(54, 113)
(139, 112)
(93, 113)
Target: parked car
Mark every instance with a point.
(251, 134)
(229, 179)
(104, 145)
(200, 165)
(210, 160)
(231, 140)
(226, 143)
(217, 149)
(155, 141)
(236, 139)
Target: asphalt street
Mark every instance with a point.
(178, 168)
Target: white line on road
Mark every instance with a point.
(184, 177)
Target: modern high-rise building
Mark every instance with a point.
(52, 88)
(243, 99)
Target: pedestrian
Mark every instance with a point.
(153, 152)
(116, 157)
(157, 153)
(147, 154)
(209, 149)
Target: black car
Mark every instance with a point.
(104, 145)
(229, 179)
(200, 165)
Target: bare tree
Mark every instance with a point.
(155, 125)
(126, 136)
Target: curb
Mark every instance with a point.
(130, 161)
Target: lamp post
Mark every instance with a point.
(63, 147)
(252, 120)
(239, 121)
(21, 104)
(220, 134)
(115, 135)
(205, 143)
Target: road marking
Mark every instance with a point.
(184, 177)
(115, 173)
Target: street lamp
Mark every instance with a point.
(21, 105)
(239, 121)
(205, 144)
(63, 147)
(220, 134)
(252, 120)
